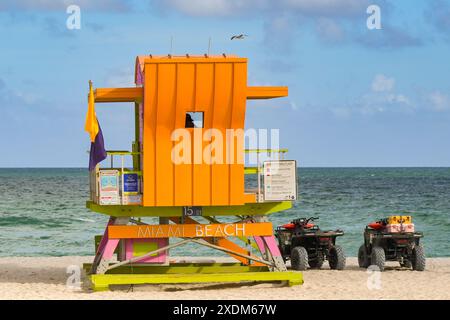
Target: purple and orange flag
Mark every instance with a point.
(98, 152)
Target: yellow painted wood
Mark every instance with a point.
(182, 268)
(250, 170)
(249, 209)
(266, 150)
(103, 281)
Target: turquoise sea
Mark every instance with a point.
(42, 211)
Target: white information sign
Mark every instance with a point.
(280, 180)
(109, 187)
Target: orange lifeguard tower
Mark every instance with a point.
(188, 170)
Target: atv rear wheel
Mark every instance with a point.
(336, 258)
(299, 258)
(317, 262)
(363, 258)
(378, 257)
(418, 258)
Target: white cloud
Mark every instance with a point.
(381, 83)
(381, 98)
(438, 14)
(397, 98)
(207, 7)
(439, 101)
(333, 8)
(294, 106)
(384, 98)
(391, 37)
(214, 7)
(383, 93)
(101, 5)
(342, 112)
(329, 30)
(278, 33)
(327, 7)
(372, 104)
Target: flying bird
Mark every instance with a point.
(239, 37)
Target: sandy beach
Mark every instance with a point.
(46, 277)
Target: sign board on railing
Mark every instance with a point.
(280, 180)
(130, 183)
(109, 187)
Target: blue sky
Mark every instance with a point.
(358, 97)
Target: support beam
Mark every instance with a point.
(207, 244)
(266, 92)
(133, 94)
(148, 254)
(222, 242)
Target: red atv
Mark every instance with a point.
(304, 243)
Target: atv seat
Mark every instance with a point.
(291, 226)
(378, 225)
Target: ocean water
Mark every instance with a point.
(42, 211)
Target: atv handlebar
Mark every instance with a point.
(304, 221)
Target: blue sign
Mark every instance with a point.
(130, 182)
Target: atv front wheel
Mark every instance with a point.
(317, 262)
(378, 257)
(299, 258)
(363, 258)
(336, 258)
(418, 258)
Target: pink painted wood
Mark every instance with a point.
(271, 244)
(110, 247)
(104, 240)
(260, 243)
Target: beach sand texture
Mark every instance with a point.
(45, 278)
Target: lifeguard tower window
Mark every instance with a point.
(194, 120)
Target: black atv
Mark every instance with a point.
(306, 244)
(381, 246)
